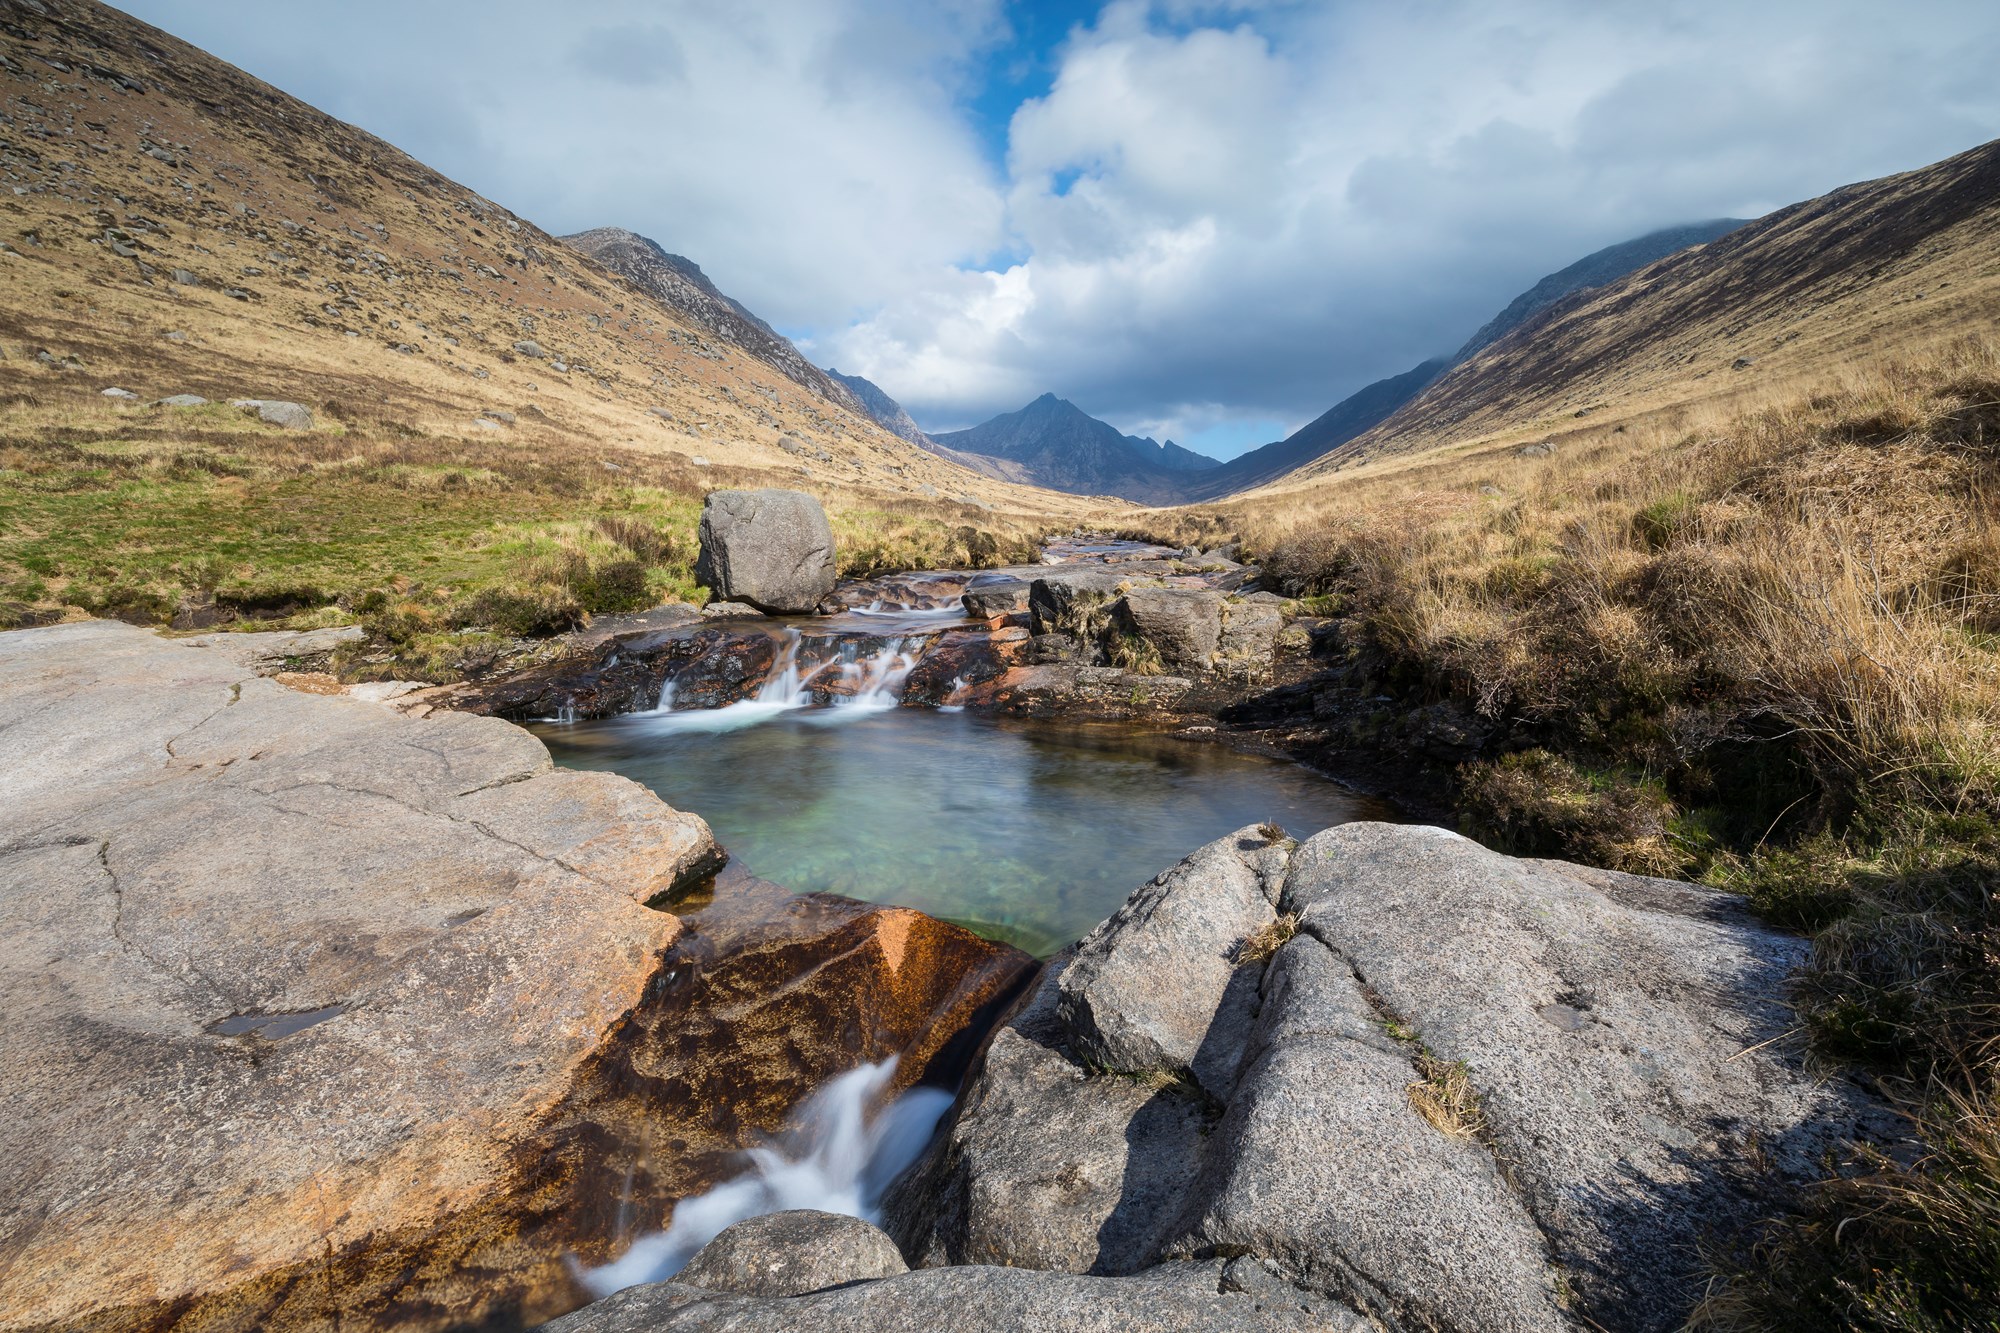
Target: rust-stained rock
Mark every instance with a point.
(322, 1016)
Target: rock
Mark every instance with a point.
(1146, 991)
(1543, 449)
(1185, 624)
(1741, 363)
(183, 400)
(1619, 1039)
(175, 335)
(119, 393)
(662, 413)
(1045, 1166)
(287, 977)
(770, 548)
(990, 600)
(1174, 1298)
(719, 609)
(528, 347)
(276, 412)
(1074, 601)
(1250, 629)
(485, 424)
(180, 277)
(698, 460)
(792, 1253)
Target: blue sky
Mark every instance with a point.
(1206, 220)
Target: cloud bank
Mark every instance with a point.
(1217, 220)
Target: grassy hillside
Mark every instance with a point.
(483, 395)
(1867, 270)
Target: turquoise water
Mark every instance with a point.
(1028, 832)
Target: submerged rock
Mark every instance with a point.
(770, 548)
(1429, 1012)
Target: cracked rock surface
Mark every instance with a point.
(283, 972)
(1158, 1103)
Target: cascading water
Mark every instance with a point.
(861, 685)
(838, 1155)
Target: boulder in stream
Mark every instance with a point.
(772, 549)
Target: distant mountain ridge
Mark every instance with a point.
(883, 410)
(1594, 270)
(678, 283)
(1054, 443)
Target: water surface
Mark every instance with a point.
(1029, 832)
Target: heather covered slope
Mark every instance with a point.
(1866, 270)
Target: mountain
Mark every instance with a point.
(1052, 442)
(1377, 402)
(177, 226)
(1880, 264)
(1340, 423)
(678, 283)
(883, 410)
(1594, 270)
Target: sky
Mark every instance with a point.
(1200, 221)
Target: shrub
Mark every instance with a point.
(1534, 803)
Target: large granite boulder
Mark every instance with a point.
(1184, 624)
(1213, 1297)
(320, 1015)
(792, 1253)
(1440, 1086)
(771, 549)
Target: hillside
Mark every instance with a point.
(678, 283)
(1866, 270)
(1593, 270)
(481, 392)
(883, 410)
(1054, 443)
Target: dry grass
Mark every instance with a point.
(1443, 1094)
(1262, 944)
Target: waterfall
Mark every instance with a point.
(839, 1155)
(859, 686)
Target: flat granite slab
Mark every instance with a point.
(282, 972)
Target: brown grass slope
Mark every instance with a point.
(148, 189)
(1868, 269)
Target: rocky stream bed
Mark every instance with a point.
(346, 1007)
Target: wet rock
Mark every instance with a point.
(719, 610)
(792, 1253)
(288, 977)
(989, 601)
(276, 412)
(770, 548)
(1184, 624)
(1174, 1298)
(1620, 1037)
(1069, 689)
(957, 663)
(709, 665)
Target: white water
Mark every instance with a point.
(868, 685)
(838, 1155)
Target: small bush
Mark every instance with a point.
(530, 613)
(1666, 521)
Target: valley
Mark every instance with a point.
(533, 800)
